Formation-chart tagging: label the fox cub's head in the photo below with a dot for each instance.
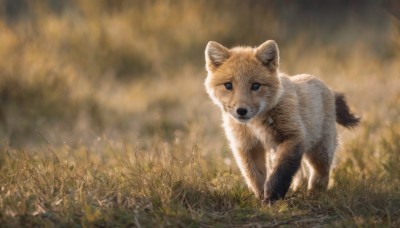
(243, 81)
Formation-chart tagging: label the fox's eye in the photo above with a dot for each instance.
(228, 86)
(255, 86)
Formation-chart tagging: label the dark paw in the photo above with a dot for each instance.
(269, 199)
(267, 202)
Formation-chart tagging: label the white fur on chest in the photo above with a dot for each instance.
(260, 132)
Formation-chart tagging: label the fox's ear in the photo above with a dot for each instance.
(216, 54)
(268, 54)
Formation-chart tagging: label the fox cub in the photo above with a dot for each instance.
(274, 122)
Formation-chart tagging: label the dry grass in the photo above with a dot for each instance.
(104, 120)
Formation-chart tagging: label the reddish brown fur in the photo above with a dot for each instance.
(285, 117)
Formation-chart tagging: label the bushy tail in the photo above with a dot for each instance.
(344, 116)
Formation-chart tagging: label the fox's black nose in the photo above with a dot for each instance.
(241, 111)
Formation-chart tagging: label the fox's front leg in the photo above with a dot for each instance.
(286, 163)
(251, 162)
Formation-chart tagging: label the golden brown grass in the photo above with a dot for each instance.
(104, 120)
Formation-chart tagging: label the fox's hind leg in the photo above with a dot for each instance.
(319, 160)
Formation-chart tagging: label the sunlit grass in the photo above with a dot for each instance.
(174, 184)
(104, 120)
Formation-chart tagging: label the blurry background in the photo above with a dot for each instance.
(80, 73)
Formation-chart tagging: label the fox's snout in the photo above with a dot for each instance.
(241, 111)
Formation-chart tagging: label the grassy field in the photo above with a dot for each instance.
(104, 120)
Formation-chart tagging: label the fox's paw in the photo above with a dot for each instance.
(269, 199)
